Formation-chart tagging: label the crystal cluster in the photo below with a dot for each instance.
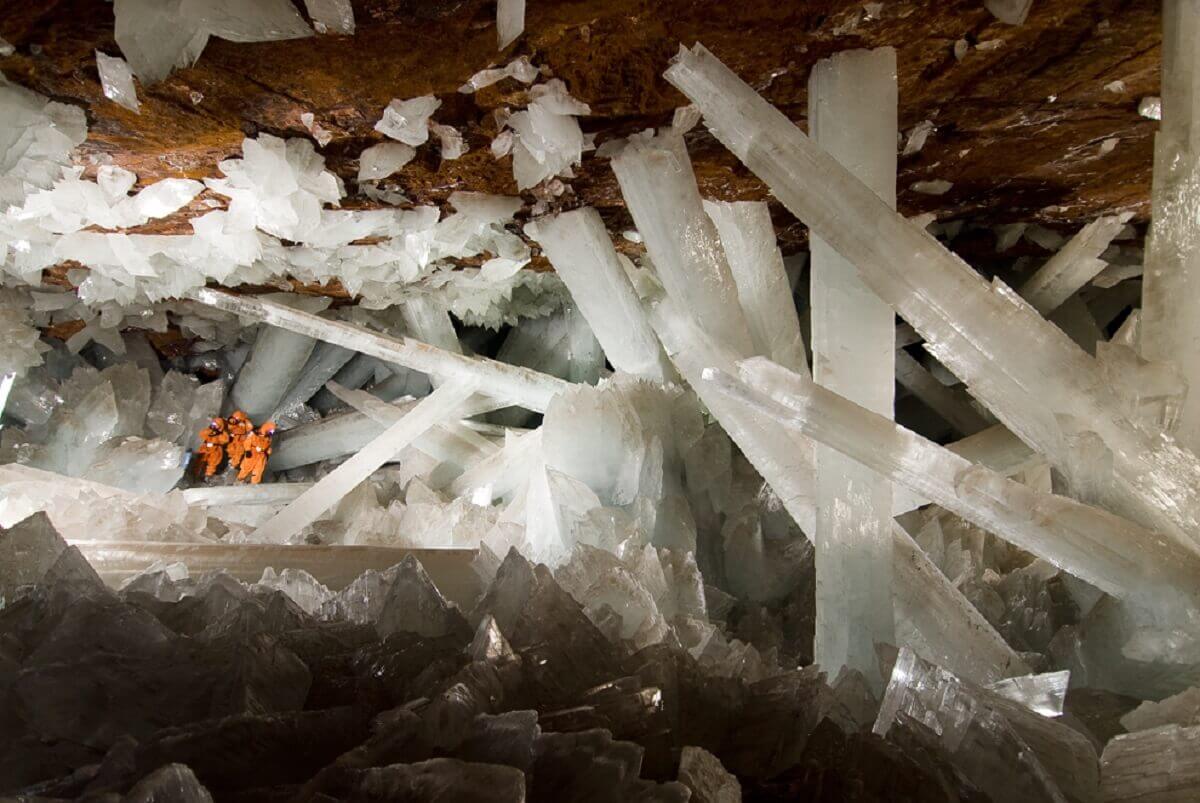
(683, 519)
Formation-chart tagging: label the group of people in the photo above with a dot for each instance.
(237, 441)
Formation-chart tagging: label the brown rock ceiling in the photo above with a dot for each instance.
(1019, 124)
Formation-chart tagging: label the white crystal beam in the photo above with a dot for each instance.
(933, 615)
(660, 189)
(1024, 369)
(520, 386)
(579, 247)
(852, 112)
(1170, 323)
(748, 237)
(441, 405)
(1075, 264)
(1115, 555)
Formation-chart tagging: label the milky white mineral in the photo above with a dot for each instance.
(748, 239)
(1111, 553)
(853, 114)
(1150, 108)
(547, 137)
(382, 160)
(1041, 385)
(659, 186)
(117, 81)
(156, 38)
(331, 16)
(511, 383)
(579, 246)
(408, 120)
(1157, 764)
(452, 143)
(917, 137)
(1169, 330)
(933, 187)
(1012, 12)
(441, 405)
(510, 21)
(519, 68)
(274, 364)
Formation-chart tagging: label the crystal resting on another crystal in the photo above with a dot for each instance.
(987, 736)
(325, 360)
(930, 611)
(1112, 554)
(748, 239)
(1042, 386)
(1076, 264)
(659, 187)
(519, 68)
(1161, 764)
(1170, 324)
(275, 363)
(408, 120)
(853, 113)
(513, 384)
(1043, 694)
(382, 160)
(510, 21)
(117, 81)
(583, 255)
(439, 406)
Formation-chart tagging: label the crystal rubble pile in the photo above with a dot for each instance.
(659, 587)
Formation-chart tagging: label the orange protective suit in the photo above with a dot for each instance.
(240, 430)
(213, 440)
(258, 450)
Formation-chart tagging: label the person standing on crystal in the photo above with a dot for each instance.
(213, 440)
(240, 430)
(258, 450)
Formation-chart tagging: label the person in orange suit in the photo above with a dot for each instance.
(258, 450)
(213, 440)
(240, 430)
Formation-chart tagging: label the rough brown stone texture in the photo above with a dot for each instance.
(1020, 125)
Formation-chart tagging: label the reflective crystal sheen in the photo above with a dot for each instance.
(117, 80)
(853, 113)
(582, 253)
(1170, 328)
(1037, 382)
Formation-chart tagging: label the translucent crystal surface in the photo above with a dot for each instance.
(517, 385)
(438, 406)
(1169, 330)
(658, 184)
(579, 246)
(748, 239)
(1107, 551)
(117, 80)
(510, 21)
(331, 16)
(852, 113)
(1040, 384)
(407, 121)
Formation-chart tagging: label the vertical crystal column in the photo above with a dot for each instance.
(1170, 322)
(852, 112)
